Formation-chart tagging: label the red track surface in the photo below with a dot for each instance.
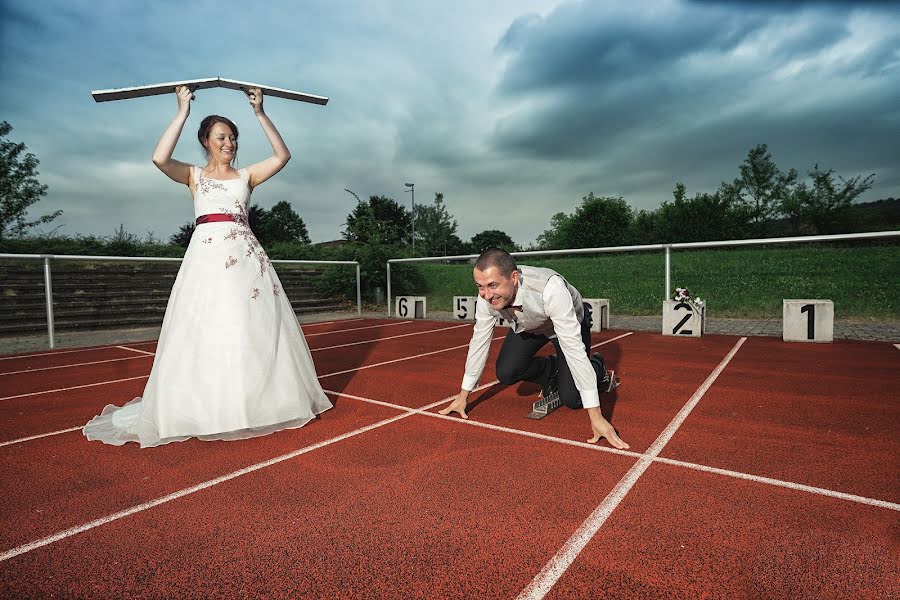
(779, 479)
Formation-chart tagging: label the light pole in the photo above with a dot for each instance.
(412, 190)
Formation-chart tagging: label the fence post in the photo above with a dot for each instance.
(48, 295)
(668, 272)
(358, 293)
(389, 287)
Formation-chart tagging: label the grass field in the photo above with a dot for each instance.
(863, 281)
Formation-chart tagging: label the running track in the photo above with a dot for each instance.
(757, 469)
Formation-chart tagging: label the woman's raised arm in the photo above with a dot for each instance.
(162, 156)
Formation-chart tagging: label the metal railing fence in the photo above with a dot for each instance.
(48, 287)
(666, 248)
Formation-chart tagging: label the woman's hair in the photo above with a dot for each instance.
(207, 124)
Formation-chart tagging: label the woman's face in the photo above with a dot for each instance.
(221, 143)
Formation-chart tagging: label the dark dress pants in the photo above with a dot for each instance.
(517, 362)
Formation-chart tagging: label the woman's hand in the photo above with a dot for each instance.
(185, 95)
(255, 96)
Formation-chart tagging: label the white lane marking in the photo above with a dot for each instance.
(58, 352)
(547, 577)
(618, 337)
(74, 387)
(610, 450)
(153, 354)
(19, 550)
(84, 364)
(800, 487)
(40, 435)
(393, 337)
(387, 362)
(309, 335)
(330, 322)
(136, 350)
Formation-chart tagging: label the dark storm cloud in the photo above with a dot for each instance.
(595, 84)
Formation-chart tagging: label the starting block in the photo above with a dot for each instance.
(464, 307)
(410, 307)
(807, 321)
(545, 406)
(599, 313)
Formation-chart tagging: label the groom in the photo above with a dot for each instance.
(541, 306)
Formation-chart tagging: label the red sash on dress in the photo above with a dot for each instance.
(214, 218)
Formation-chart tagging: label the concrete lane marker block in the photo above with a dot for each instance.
(410, 307)
(807, 321)
(599, 313)
(682, 318)
(464, 308)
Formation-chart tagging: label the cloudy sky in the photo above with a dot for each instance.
(513, 109)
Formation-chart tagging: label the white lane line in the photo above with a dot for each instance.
(136, 350)
(799, 487)
(531, 434)
(84, 364)
(95, 348)
(547, 577)
(309, 335)
(74, 387)
(393, 337)
(19, 550)
(58, 352)
(610, 450)
(330, 322)
(387, 362)
(618, 337)
(41, 435)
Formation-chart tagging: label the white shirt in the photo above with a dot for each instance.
(554, 309)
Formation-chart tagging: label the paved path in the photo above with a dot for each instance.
(846, 330)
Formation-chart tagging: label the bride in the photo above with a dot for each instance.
(231, 361)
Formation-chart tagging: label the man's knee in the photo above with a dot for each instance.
(507, 374)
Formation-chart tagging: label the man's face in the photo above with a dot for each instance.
(499, 291)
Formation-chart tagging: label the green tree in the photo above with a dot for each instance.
(492, 238)
(435, 228)
(19, 187)
(599, 222)
(282, 224)
(381, 220)
(556, 237)
(762, 187)
(825, 203)
(703, 218)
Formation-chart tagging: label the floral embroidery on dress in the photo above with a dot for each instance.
(239, 215)
(255, 294)
(208, 240)
(230, 262)
(276, 289)
(207, 185)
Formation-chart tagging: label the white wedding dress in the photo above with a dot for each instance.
(231, 361)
